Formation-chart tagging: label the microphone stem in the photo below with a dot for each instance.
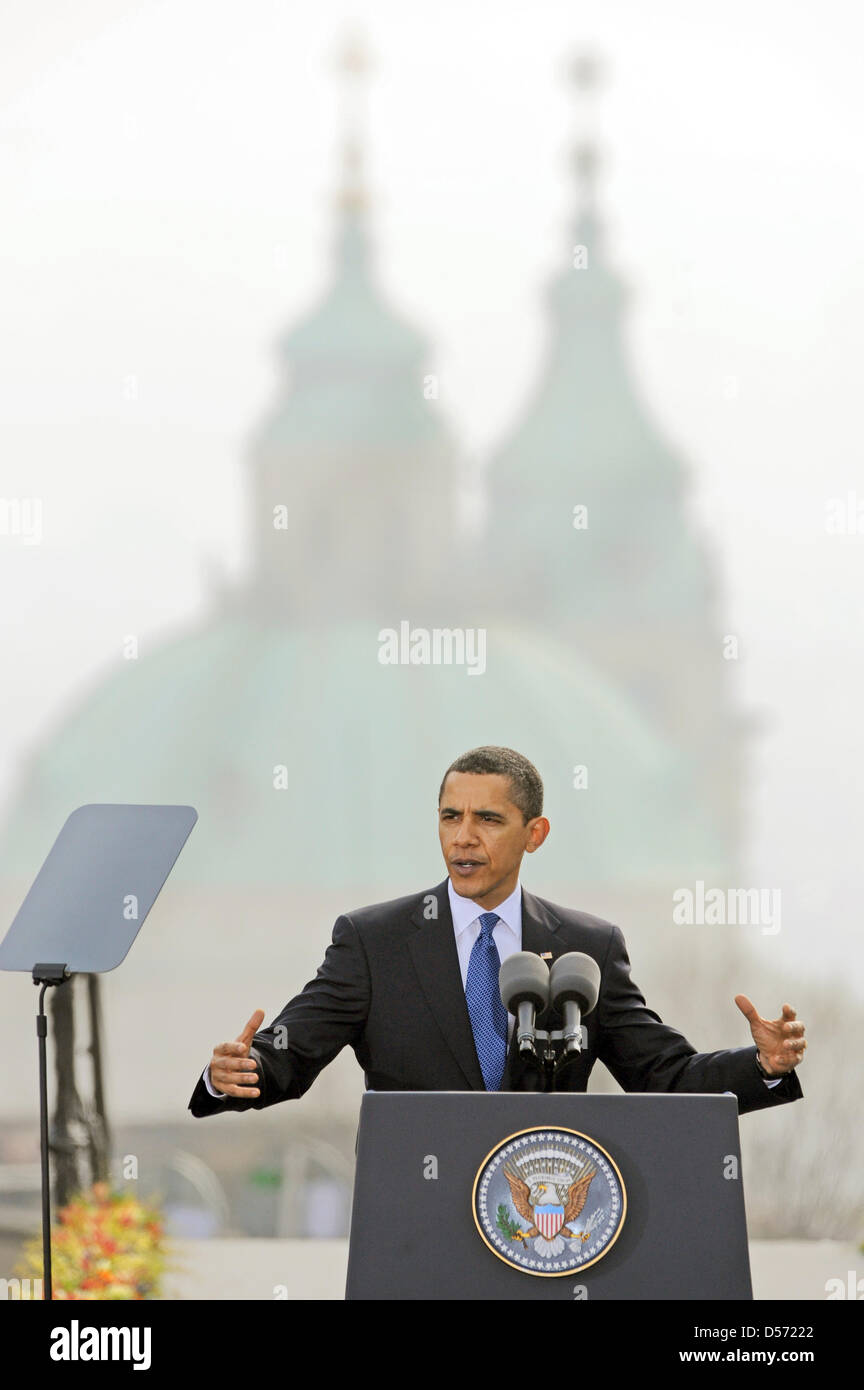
(572, 1027)
(525, 1013)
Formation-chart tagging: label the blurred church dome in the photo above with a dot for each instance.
(213, 716)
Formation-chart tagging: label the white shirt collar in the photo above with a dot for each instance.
(465, 911)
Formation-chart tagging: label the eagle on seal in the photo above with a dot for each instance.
(572, 1198)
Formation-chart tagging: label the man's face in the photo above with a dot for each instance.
(483, 836)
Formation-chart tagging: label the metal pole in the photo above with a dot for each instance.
(41, 1034)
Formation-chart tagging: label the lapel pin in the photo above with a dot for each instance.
(545, 955)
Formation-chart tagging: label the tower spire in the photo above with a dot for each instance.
(353, 63)
(586, 74)
(352, 427)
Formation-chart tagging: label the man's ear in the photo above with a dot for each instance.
(539, 829)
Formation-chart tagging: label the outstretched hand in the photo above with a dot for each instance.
(232, 1070)
(780, 1041)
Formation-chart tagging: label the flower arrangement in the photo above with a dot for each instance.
(105, 1245)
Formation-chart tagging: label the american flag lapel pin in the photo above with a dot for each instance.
(545, 955)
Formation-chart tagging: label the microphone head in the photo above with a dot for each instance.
(575, 977)
(524, 978)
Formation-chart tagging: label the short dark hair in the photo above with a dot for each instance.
(526, 786)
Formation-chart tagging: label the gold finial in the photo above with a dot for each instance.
(354, 63)
(354, 58)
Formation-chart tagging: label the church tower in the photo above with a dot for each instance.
(352, 469)
(591, 503)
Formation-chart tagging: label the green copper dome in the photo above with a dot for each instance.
(208, 717)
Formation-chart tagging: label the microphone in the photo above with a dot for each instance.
(524, 984)
(574, 984)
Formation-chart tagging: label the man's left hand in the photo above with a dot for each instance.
(780, 1041)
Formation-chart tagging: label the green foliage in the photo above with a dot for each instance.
(505, 1224)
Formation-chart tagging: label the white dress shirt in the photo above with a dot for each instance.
(506, 933)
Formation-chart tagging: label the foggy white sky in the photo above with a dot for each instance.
(167, 172)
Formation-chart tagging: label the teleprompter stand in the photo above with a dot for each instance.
(84, 910)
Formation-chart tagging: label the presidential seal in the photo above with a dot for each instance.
(549, 1201)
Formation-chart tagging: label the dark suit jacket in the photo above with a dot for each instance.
(390, 988)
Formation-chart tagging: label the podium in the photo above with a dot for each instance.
(508, 1196)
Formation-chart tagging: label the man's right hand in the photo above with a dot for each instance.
(232, 1070)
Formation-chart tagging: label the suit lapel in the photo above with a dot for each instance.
(539, 927)
(436, 960)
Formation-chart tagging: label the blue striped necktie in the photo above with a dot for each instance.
(487, 1013)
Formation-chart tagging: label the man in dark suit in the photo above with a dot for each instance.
(410, 984)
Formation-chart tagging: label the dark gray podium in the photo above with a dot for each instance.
(463, 1195)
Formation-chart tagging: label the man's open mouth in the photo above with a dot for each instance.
(466, 866)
